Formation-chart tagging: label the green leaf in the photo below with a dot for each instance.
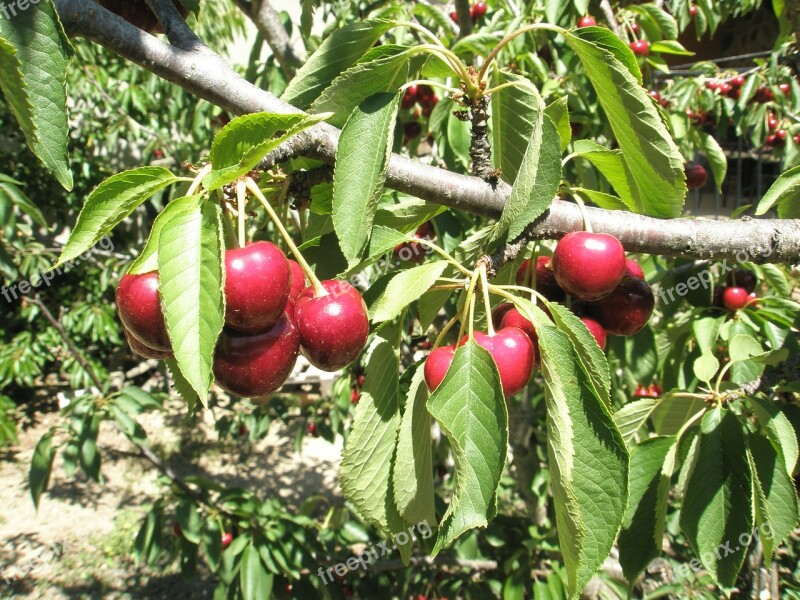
(537, 180)
(369, 449)
(212, 542)
(670, 47)
(340, 50)
(591, 357)
(718, 500)
(601, 199)
(515, 111)
(785, 190)
(362, 159)
(190, 265)
(256, 581)
(671, 414)
(630, 418)
(243, 142)
(653, 163)
(405, 288)
(412, 476)
(182, 386)
(776, 508)
(384, 73)
(470, 407)
(190, 521)
(34, 55)
(643, 529)
(9, 188)
(588, 461)
(558, 112)
(148, 258)
(665, 21)
(41, 466)
(743, 347)
(705, 367)
(611, 165)
(778, 429)
(110, 203)
(715, 154)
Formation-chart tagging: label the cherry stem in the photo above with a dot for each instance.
(447, 328)
(587, 225)
(241, 203)
(500, 290)
(429, 244)
(486, 302)
(724, 370)
(511, 36)
(201, 174)
(319, 290)
(533, 269)
(468, 304)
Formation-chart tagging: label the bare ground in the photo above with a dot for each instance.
(91, 527)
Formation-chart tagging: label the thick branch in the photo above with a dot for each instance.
(174, 25)
(211, 78)
(464, 18)
(289, 56)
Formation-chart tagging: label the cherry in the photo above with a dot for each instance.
(227, 538)
(655, 95)
(355, 396)
(652, 391)
(546, 283)
(635, 28)
(243, 431)
(411, 131)
(690, 113)
(696, 176)
(735, 93)
(139, 307)
(176, 530)
(640, 47)
(772, 123)
(633, 269)
(333, 328)
(410, 96)
(499, 311)
(734, 298)
(785, 88)
(588, 265)
(477, 10)
(427, 109)
(514, 318)
(781, 135)
(763, 95)
(743, 278)
(258, 280)
(724, 88)
(256, 365)
(298, 285)
(437, 364)
(409, 252)
(512, 352)
(627, 309)
(712, 84)
(360, 381)
(143, 349)
(587, 21)
(797, 139)
(312, 429)
(693, 10)
(158, 153)
(737, 81)
(597, 331)
(454, 17)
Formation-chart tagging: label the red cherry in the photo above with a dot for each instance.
(655, 95)
(588, 265)
(772, 123)
(635, 28)
(143, 350)
(512, 352)
(409, 252)
(139, 307)
(243, 430)
(785, 88)
(587, 21)
(426, 231)
(513, 318)
(655, 390)
(546, 283)
(477, 10)
(499, 312)
(640, 47)
(158, 153)
(298, 285)
(355, 396)
(696, 176)
(427, 110)
(258, 280)
(633, 269)
(312, 429)
(454, 17)
(333, 328)
(693, 10)
(176, 530)
(737, 81)
(437, 364)
(734, 298)
(256, 365)
(771, 140)
(640, 392)
(411, 131)
(596, 330)
(410, 96)
(227, 538)
(735, 93)
(627, 309)
(781, 135)
(797, 139)
(712, 84)
(724, 88)
(763, 95)
(360, 381)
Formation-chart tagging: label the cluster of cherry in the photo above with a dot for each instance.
(608, 292)
(270, 316)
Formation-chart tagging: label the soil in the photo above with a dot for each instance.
(78, 544)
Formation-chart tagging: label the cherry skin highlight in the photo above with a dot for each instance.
(258, 280)
(256, 365)
(139, 307)
(333, 328)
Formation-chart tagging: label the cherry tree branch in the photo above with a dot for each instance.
(289, 55)
(207, 75)
(464, 18)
